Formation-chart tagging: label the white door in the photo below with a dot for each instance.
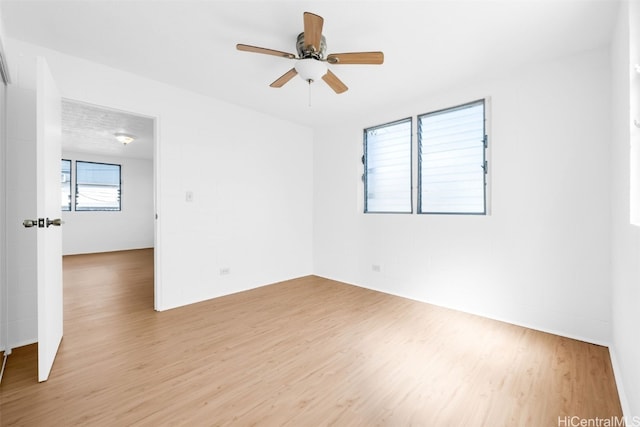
(49, 237)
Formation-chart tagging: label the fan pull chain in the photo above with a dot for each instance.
(310, 92)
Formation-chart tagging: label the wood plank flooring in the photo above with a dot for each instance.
(304, 352)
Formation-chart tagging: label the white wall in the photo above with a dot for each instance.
(21, 204)
(542, 258)
(130, 228)
(625, 53)
(252, 206)
(4, 289)
(4, 307)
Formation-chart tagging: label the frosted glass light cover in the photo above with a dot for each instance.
(311, 69)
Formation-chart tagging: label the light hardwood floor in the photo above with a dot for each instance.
(304, 352)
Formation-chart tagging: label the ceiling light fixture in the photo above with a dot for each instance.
(124, 138)
(311, 69)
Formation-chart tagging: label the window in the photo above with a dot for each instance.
(452, 163)
(65, 185)
(387, 165)
(97, 186)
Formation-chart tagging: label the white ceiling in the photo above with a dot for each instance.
(429, 46)
(91, 129)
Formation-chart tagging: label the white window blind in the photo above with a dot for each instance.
(452, 166)
(387, 159)
(97, 186)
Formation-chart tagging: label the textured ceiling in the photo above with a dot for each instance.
(92, 129)
(430, 46)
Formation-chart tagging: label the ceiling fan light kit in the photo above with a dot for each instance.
(311, 63)
(310, 69)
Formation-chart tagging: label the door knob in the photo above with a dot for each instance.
(28, 223)
(57, 222)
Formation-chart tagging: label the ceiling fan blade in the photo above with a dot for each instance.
(256, 49)
(334, 82)
(374, 58)
(284, 78)
(312, 30)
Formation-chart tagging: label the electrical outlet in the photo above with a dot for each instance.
(224, 271)
(376, 268)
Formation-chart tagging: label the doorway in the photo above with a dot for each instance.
(108, 180)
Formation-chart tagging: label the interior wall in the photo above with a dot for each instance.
(22, 292)
(105, 231)
(542, 257)
(250, 219)
(4, 307)
(625, 53)
(4, 289)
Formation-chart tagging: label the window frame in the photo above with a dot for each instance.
(365, 158)
(485, 162)
(77, 193)
(71, 198)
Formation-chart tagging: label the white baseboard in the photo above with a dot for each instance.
(552, 331)
(617, 374)
(19, 344)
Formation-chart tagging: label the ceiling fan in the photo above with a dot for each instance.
(311, 63)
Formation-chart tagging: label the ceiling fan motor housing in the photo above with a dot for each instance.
(309, 52)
